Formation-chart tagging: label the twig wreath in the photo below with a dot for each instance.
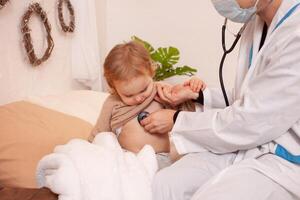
(71, 26)
(2, 3)
(36, 8)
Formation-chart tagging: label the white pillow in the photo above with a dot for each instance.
(84, 104)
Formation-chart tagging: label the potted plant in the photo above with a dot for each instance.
(166, 58)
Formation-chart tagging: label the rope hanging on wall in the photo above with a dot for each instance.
(71, 26)
(2, 3)
(36, 8)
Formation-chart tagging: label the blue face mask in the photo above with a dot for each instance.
(231, 10)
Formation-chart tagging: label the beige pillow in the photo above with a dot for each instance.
(84, 104)
(27, 133)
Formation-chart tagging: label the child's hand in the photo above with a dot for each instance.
(163, 92)
(168, 94)
(195, 84)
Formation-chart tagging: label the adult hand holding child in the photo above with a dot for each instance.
(177, 94)
(162, 121)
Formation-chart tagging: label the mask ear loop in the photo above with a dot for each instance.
(257, 11)
(250, 18)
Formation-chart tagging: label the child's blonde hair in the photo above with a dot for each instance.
(126, 61)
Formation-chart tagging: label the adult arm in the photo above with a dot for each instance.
(268, 107)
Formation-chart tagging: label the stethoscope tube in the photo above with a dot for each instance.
(238, 36)
(225, 53)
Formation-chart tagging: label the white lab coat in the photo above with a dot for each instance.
(264, 106)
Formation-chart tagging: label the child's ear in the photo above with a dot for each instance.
(154, 66)
(112, 90)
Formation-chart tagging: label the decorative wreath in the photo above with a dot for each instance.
(27, 37)
(71, 26)
(2, 3)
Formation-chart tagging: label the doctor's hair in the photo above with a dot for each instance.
(127, 61)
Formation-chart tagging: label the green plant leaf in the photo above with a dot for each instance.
(146, 44)
(163, 73)
(185, 70)
(166, 58)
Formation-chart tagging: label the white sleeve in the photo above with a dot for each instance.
(266, 110)
(213, 98)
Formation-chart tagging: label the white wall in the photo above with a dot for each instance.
(18, 78)
(192, 26)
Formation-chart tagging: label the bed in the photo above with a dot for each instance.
(31, 128)
(27, 194)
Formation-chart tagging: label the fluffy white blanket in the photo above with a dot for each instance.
(80, 170)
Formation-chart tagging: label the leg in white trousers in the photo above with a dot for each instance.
(213, 177)
(182, 179)
(243, 182)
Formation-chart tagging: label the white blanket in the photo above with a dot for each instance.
(80, 170)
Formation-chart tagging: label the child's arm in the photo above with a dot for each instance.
(103, 122)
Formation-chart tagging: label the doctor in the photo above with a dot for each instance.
(249, 150)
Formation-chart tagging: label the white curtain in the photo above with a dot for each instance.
(86, 65)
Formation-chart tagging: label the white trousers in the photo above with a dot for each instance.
(209, 176)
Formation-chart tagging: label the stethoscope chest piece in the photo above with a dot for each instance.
(142, 115)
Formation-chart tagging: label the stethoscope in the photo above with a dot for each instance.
(226, 52)
(238, 36)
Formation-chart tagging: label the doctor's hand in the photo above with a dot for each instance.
(159, 122)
